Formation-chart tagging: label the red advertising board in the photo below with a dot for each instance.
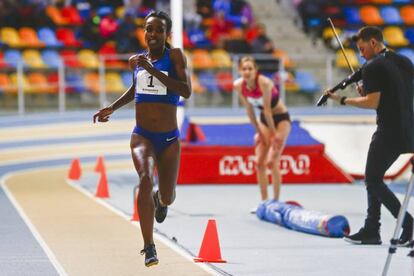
(236, 165)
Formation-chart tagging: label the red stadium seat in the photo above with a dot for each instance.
(67, 37)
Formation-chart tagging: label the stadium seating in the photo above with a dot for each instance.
(12, 57)
(370, 15)
(408, 53)
(28, 38)
(70, 58)
(38, 83)
(225, 81)
(91, 82)
(208, 80)
(67, 37)
(74, 83)
(33, 59)
(114, 83)
(352, 58)
(391, 15)
(71, 15)
(306, 82)
(352, 15)
(196, 85)
(394, 36)
(55, 15)
(409, 34)
(201, 59)
(407, 14)
(221, 58)
(48, 37)
(6, 85)
(3, 63)
(10, 36)
(88, 59)
(51, 58)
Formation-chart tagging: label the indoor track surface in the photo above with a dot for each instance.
(52, 226)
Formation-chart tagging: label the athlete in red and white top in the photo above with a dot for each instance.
(273, 127)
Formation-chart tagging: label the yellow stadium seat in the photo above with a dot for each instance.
(328, 33)
(11, 37)
(114, 83)
(352, 57)
(33, 59)
(120, 12)
(88, 59)
(26, 87)
(221, 58)
(394, 37)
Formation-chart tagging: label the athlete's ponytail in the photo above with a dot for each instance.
(168, 22)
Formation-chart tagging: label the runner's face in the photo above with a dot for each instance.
(155, 32)
(248, 70)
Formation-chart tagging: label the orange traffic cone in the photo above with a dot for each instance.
(135, 215)
(102, 189)
(75, 170)
(210, 247)
(100, 167)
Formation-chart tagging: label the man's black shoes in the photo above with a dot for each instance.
(160, 211)
(364, 237)
(406, 237)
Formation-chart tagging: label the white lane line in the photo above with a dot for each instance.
(31, 226)
(161, 238)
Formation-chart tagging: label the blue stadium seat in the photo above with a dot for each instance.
(126, 78)
(48, 36)
(402, 1)
(12, 57)
(352, 15)
(408, 53)
(390, 15)
(306, 82)
(209, 81)
(409, 34)
(51, 58)
(198, 38)
(74, 83)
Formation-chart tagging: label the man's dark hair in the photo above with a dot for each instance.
(368, 32)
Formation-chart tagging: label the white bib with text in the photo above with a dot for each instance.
(148, 84)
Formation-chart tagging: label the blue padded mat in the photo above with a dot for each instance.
(242, 135)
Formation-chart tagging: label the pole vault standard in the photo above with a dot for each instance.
(394, 241)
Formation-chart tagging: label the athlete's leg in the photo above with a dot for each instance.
(143, 157)
(168, 162)
(282, 130)
(261, 151)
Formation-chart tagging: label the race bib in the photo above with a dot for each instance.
(148, 84)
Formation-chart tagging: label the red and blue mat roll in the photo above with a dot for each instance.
(295, 217)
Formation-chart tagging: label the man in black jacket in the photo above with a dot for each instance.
(387, 87)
